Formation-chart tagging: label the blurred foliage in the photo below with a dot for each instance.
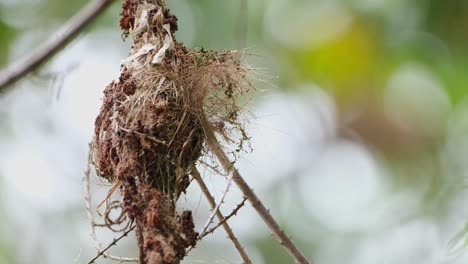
(342, 62)
(7, 36)
(57, 10)
(7, 248)
(448, 20)
(354, 64)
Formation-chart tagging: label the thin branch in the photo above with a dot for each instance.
(113, 243)
(226, 218)
(93, 224)
(245, 258)
(55, 43)
(218, 205)
(218, 151)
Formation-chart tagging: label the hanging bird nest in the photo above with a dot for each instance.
(150, 129)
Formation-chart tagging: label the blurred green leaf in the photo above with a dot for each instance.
(449, 20)
(7, 36)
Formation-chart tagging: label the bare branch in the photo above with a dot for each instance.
(216, 208)
(55, 43)
(113, 243)
(218, 151)
(226, 218)
(245, 258)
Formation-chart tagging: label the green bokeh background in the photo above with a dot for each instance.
(354, 65)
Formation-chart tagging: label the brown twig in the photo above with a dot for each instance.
(264, 213)
(113, 243)
(55, 43)
(245, 258)
(215, 210)
(226, 218)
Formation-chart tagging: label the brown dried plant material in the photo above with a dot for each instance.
(151, 127)
(127, 16)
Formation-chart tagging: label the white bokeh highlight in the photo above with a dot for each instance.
(415, 100)
(342, 182)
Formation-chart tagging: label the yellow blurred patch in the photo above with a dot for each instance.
(344, 61)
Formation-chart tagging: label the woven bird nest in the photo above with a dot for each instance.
(151, 127)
